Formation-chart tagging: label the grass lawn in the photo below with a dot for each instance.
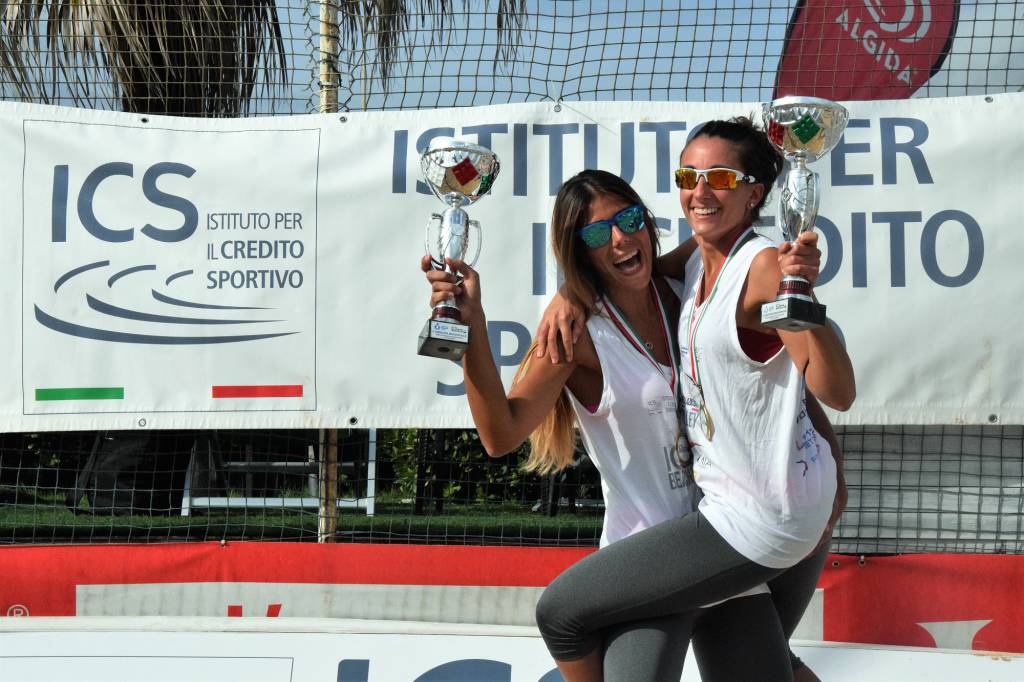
(39, 520)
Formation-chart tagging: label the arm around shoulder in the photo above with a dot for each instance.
(673, 263)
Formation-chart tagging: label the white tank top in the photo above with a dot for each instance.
(632, 436)
(768, 477)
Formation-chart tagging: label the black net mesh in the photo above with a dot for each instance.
(912, 489)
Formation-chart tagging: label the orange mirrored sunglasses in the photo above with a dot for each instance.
(716, 178)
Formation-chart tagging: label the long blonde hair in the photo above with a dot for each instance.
(553, 442)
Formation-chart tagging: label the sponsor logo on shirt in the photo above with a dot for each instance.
(679, 472)
(664, 404)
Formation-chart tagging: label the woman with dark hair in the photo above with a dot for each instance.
(767, 474)
(621, 389)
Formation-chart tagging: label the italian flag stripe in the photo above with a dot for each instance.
(81, 393)
(259, 391)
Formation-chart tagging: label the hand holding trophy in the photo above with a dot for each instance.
(803, 129)
(459, 174)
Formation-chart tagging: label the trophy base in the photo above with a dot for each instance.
(440, 339)
(792, 314)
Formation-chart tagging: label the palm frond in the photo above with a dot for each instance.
(196, 58)
(384, 28)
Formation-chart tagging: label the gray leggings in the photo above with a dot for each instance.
(792, 592)
(738, 640)
(640, 599)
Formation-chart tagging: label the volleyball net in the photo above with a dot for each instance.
(912, 489)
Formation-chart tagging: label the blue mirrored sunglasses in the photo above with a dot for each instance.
(629, 220)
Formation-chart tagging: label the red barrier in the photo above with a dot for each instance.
(964, 601)
(950, 601)
(42, 579)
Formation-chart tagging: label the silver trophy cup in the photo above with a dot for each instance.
(803, 129)
(459, 174)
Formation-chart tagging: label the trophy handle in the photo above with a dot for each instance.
(434, 218)
(475, 227)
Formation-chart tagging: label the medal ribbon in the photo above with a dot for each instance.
(626, 329)
(694, 324)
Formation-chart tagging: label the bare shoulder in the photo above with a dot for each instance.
(767, 257)
(761, 286)
(542, 369)
(764, 277)
(586, 380)
(586, 352)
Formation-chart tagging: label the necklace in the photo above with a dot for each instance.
(693, 323)
(646, 347)
(633, 335)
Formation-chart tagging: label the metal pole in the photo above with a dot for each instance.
(371, 471)
(328, 55)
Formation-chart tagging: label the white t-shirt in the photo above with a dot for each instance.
(768, 477)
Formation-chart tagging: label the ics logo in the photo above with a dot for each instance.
(87, 194)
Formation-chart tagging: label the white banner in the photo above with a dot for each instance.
(257, 273)
(91, 649)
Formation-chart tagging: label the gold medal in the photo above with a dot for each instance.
(709, 424)
(705, 416)
(695, 318)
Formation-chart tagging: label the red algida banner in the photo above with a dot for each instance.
(865, 49)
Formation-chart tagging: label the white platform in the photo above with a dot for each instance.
(331, 650)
